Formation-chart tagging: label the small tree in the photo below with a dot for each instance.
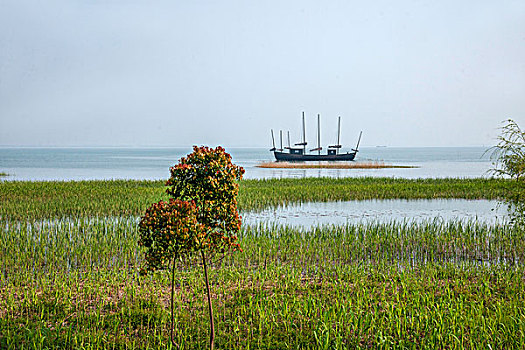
(201, 216)
(169, 230)
(509, 154)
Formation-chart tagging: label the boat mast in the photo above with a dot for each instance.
(338, 134)
(318, 134)
(289, 139)
(304, 143)
(358, 140)
(319, 148)
(273, 142)
(281, 137)
(304, 136)
(337, 146)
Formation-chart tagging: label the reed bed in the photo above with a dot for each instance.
(331, 165)
(69, 260)
(26, 200)
(38, 200)
(260, 194)
(73, 283)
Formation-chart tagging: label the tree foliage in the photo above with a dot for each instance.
(201, 215)
(509, 154)
(208, 178)
(169, 230)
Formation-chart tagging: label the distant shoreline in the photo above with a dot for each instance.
(326, 165)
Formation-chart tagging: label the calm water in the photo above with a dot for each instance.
(154, 163)
(383, 211)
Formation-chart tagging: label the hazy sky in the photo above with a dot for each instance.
(178, 73)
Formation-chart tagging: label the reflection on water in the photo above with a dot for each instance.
(354, 212)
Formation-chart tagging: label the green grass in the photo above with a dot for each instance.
(69, 273)
(36, 200)
(258, 194)
(75, 284)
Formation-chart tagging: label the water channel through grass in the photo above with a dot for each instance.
(355, 212)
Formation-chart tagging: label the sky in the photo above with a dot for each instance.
(178, 73)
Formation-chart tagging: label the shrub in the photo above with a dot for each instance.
(509, 154)
(509, 160)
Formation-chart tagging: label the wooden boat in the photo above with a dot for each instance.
(298, 153)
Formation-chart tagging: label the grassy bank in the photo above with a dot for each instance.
(34, 200)
(74, 284)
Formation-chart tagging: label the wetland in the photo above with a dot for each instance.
(69, 268)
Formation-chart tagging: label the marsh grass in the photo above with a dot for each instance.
(261, 194)
(36, 200)
(331, 165)
(69, 278)
(74, 284)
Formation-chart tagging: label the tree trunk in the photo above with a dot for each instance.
(210, 308)
(172, 294)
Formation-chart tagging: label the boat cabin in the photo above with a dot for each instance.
(296, 151)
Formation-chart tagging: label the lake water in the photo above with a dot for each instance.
(382, 211)
(153, 163)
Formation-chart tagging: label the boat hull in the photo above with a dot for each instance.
(287, 157)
